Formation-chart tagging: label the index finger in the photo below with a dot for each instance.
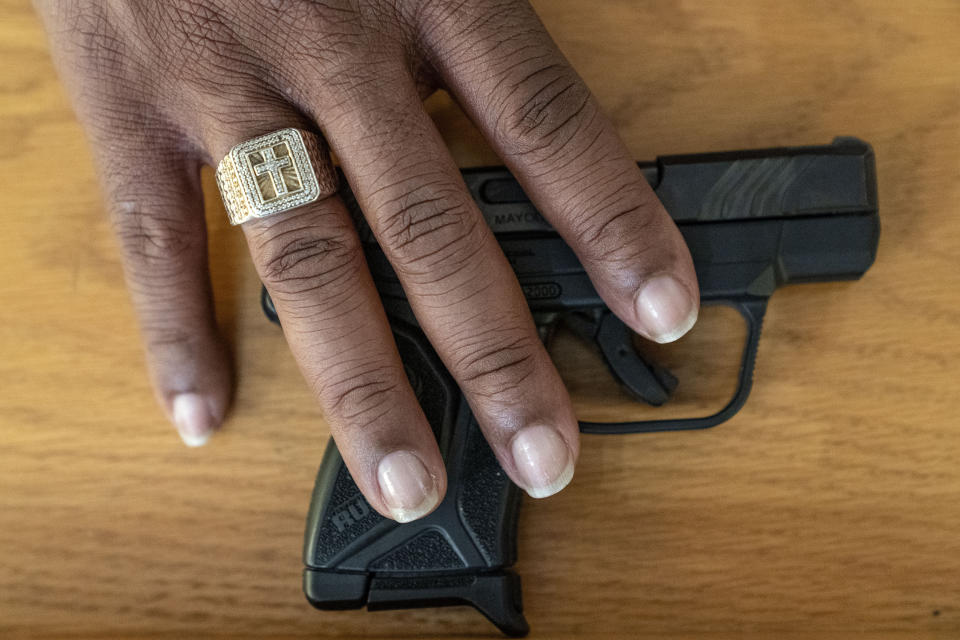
(542, 119)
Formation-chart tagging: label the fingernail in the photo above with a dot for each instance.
(192, 417)
(543, 460)
(406, 486)
(666, 309)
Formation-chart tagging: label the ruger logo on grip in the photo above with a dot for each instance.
(354, 511)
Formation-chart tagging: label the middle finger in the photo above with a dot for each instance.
(459, 283)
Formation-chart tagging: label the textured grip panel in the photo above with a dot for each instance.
(429, 551)
(488, 501)
(340, 517)
(345, 517)
(459, 554)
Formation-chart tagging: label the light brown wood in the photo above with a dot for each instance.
(830, 506)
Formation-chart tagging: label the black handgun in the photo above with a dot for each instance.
(753, 220)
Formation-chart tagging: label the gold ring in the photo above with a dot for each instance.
(274, 173)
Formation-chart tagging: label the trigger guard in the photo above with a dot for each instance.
(752, 310)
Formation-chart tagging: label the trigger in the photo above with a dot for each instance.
(647, 382)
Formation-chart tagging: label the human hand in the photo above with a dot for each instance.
(164, 87)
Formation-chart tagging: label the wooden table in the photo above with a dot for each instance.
(830, 506)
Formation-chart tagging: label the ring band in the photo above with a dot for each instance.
(273, 173)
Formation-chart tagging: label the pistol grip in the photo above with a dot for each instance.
(459, 554)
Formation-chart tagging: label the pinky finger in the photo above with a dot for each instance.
(156, 207)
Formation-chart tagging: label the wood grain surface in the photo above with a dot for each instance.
(828, 508)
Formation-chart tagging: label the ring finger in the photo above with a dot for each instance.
(310, 261)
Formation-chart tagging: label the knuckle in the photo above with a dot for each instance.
(544, 111)
(430, 228)
(607, 239)
(362, 394)
(496, 363)
(155, 244)
(621, 216)
(298, 256)
(623, 241)
(170, 345)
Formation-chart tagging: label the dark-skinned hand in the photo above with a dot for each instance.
(163, 88)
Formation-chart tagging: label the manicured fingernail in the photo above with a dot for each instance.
(543, 460)
(406, 486)
(666, 309)
(192, 417)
